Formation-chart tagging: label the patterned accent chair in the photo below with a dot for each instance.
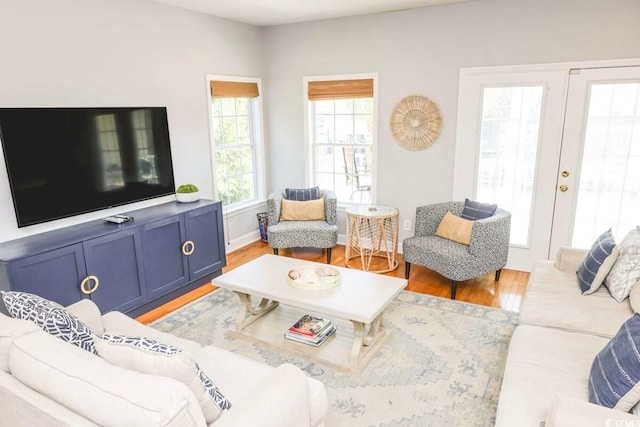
(303, 234)
(486, 253)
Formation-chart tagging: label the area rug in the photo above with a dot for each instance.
(441, 366)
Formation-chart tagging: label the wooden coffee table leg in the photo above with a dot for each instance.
(250, 313)
(365, 337)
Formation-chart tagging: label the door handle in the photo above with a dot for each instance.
(85, 281)
(563, 188)
(188, 247)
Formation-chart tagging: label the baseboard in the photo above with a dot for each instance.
(241, 241)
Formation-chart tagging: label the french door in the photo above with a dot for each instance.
(599, 174)
(559, 148)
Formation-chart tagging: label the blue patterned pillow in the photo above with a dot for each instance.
(476, 210)
(597, 264)
(149, 356)
(302, 194)
(51, 317)
(614, 380)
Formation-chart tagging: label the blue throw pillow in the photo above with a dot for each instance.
(302, 194)
(614, 380)
(597, 264)
(477, 210)
(51, 317)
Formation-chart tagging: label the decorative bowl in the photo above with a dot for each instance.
(188, 197)
(313, 278)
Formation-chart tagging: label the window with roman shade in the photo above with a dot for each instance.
(341, 129)
(236, 122)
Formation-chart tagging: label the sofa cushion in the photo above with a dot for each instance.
(625, 273)
(614, 380)
(312, 210)
(477, 210)
(117, 323)
(104, 393)
(152, 357)
(597, 264)
(10, 329)
(541, 363)
(454, 228)
(88, 313)
(51, 317)
(302, 194)
(554, 299)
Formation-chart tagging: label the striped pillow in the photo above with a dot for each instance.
(302, 194)
(614, 380)
(477, 210)
(597, 264)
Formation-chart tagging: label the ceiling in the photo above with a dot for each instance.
(275, 12)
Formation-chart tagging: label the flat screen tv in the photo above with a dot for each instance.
(68, 161)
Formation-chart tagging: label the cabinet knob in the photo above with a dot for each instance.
(86, 281)
(188, 247)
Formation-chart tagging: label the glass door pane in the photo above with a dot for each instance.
(609, 183)
(509, 137)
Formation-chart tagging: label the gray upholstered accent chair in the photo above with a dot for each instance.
(486, 253)
(303, 234)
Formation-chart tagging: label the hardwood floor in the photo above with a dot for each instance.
(506, 293)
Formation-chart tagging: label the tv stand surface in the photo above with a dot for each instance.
(133, 267)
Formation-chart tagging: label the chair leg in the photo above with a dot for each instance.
(407, 269)
(498, 274)
(275, 251)
(454, 287)
(328, 255)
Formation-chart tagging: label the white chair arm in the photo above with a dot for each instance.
(569, 259)
(280, 400)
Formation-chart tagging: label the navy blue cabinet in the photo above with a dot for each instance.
(55, 274)
(133, 267)
(116, 269)
(181, 248)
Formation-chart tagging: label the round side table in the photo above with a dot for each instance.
(372, 231)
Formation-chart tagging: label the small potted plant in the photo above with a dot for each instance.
(187, 193)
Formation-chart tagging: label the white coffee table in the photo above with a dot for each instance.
(356, 306)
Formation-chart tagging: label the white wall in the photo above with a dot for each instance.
(120, 53)
(135, 52)
(421, 51)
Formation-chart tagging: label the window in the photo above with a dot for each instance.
(511, 119)
(236, 138)
(342, 137)
(112, 177)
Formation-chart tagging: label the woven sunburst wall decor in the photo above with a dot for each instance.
(416, 122)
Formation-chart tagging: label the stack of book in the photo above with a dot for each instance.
(311, 330)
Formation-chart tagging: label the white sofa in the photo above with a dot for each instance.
(46, 381)
(559, 334)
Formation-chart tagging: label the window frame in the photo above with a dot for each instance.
(257, 137)
(310, 163)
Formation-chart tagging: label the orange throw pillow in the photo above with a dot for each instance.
(311, 210)
(454, 228)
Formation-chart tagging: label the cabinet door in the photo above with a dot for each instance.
(112, 259)
(165, 267)
(54, 275)
(204, 228)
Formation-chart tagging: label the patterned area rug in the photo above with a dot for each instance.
(442, 365)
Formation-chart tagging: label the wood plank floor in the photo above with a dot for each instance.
(506, 293)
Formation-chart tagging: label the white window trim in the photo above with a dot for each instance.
(258, 132)
(308, 160)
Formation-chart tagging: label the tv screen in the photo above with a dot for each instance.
(68, 161)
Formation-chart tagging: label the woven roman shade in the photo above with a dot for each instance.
(340, 89)
(222, 89)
